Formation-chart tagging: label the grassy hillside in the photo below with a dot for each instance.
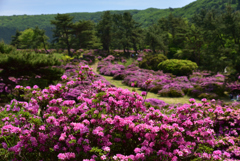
(9, 24)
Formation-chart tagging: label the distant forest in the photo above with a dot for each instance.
(146, 18)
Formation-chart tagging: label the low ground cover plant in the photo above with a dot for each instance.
(108, 123)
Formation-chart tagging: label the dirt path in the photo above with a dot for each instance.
(94, 66)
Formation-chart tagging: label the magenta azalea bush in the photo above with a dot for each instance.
(198, 85)
(108, 123)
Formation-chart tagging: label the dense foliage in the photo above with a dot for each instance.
(9, 24)
(178, 67)
(100, 122)
(210, 38)
(26, 68)
(151, 61)
(69, 35)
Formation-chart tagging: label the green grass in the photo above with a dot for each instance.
(169, 100)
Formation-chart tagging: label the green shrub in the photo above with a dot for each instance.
(119, 76)
(6, 49)
(208, 96)
(156, 88)
(172, 92)
(151, 61)
(29, 66)
(178, 67)
(194, 92)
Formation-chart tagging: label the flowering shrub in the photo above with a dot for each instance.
(233, 87)
(197, 84)
(106, 68)
(90, 57)
(156, 102)
(109, 58)
(108, 123)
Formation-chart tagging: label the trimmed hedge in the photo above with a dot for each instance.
(177, 67)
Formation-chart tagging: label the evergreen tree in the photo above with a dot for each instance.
(238, 4)
(84, 35)
(69, 35)
(193, 44)
(104, 30)
(63, 32)
(154, 38)
(40, 38)
(126, 32)
(118, 33)
(174, 27)
(15, 41)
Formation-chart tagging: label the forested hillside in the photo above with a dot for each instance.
(9, 24)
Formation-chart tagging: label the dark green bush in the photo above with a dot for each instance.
(156, 88)
(151, 61)
(194, 92)
(178, 67)
(119, 76)
(29, 66)
(6, 49)
(208, 96)
(172, 92)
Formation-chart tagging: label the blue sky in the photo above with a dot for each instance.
(36, 7)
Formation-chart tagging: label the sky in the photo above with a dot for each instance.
(37, 7)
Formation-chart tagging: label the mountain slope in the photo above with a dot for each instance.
(9, 24)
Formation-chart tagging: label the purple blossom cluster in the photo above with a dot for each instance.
(107, 68)
(156, 102)
(108, 123)
(233, 87)
(109, 58)
(199, 84)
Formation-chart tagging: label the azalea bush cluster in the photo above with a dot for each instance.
(107, 68)
(78, 86)
(108, 123)
(234, 87)
(198, 85)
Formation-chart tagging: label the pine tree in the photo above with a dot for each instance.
(63, 32)
(15, 41)
(238, 4)
(40, 38)
(104, 30)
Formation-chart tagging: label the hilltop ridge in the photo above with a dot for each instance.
(9, 24)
